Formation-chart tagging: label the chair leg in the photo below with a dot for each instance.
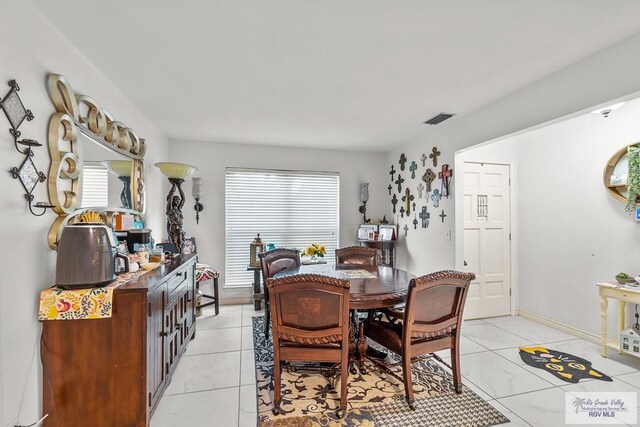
(455, 367)
(267, 320)
(276, 386)
(344, 385)
(215, 294)
(408, 384)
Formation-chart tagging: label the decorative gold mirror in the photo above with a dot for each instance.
(87, 144)
(616, 174)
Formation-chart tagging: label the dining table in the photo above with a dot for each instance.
(371, 288)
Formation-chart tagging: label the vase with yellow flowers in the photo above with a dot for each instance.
(315, 251)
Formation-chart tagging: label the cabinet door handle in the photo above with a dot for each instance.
(179, 274)
(164, 334)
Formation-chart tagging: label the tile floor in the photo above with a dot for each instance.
(214, 384)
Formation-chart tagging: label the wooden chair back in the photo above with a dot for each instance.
(277, 260)
(357, 255)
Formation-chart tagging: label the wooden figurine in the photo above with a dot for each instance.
(399, 181)
(392, 172)
(445, 175)
(412, 169)
(434, 155)
(420, 190)
(406, 229)
(428, 178)
(435, 198)
(424, 159)
(403, 160)
(394, 202)
(407, 199)
(424, 216)
(442, 215)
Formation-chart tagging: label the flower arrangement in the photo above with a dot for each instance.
(315, 250)
(633, 182)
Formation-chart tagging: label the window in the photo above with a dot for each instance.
(95, 185)
(288, 209)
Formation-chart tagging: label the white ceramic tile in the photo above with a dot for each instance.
(514, 420)
(603, 386)
(500, 319)
(248, 313)
(492, 337)
(467, 346)
(477, 390)
(206, 372)
(533, 331)
(497, 376)
(633, 378)
(513, 355)
(247, 337)
(545, 408)
(247, 368)
(215, 341)
(248, 406)
(200, 409)
(614, 365)
(226, 319)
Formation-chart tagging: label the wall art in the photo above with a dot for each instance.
(445, 175)
(392, 172)
(403, 160)
(435, 198)
(394, 202)
(424, 216)
(415, 222)
(428, 178)
(420, 190)
(399, 181)
(412, 169)
(424, 159)
(407, 199)
(443, 216)
(434, 156)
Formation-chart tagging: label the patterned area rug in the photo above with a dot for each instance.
(375, 399)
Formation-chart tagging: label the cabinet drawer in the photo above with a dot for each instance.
(175, 282)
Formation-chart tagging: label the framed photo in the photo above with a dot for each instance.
(387, 232)
(365, 229)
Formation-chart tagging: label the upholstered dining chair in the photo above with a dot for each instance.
(357, 255)
(430, 322)
(273, 262)
(310, 322)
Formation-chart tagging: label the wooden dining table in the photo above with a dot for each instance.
(371, 288)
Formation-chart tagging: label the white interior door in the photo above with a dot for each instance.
(487, 228)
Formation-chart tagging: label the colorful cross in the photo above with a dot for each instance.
(389, 188)
(403, 160)
(407, 199)
(415, 222)
(435, 197)
(442, 215)
(420, 190)
(445, 175)
(394, 202)
(424, 159)
(424, 216)
(434, 155)
(413, 168)
(392, 172)
(399, 181)
(428, 178)
(406, 229)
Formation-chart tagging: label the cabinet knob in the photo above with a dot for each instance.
(164, 334)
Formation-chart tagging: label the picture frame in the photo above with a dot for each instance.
(365, 229)
(387, 232)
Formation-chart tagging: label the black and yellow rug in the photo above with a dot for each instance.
(375, 399)
(565, 366)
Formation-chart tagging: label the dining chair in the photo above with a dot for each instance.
(357, 255)
(430, 322)
(310, 323)
(271, 263)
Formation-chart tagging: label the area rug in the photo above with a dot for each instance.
(375, 399)
(565, 366)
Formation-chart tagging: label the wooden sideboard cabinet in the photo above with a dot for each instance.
(112, 372)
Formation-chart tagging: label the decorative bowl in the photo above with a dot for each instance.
(150, 265)
(118, 167)
(176, 170)
(623, 281)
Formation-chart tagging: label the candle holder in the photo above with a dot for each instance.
(197, 194)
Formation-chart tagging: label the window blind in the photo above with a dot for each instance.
(95, 185)
(288, 209)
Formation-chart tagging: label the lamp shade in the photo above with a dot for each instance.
(197, 188)
(364, 192)
(119, 168)
(176, 170)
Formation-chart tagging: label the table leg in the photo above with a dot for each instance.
(603, 324)
(621, 319)
(257, 302)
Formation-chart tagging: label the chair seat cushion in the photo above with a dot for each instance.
(206, 272)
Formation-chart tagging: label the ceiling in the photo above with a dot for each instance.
(352, 75)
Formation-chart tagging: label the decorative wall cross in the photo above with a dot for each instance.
(389, 188)
(435, 197)
(415, 222)
(406, 228)
(424, 159)
(399, 181)
(392, 172)
(402, 211)
(407, 199)
(434, 155)
(394, 202)
(413, 205)
(428, 178)
(445, 175)
(403, 160)
(424, 216)
(420, 189)
(442, 215)
(413, 168)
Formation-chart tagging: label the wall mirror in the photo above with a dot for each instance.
(616, 173)
(96, 161)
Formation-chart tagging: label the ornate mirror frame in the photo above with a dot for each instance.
(80, 113)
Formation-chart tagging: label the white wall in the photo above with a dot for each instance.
(29, 48)
(212, 159)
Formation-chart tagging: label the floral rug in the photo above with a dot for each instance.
(375, 399)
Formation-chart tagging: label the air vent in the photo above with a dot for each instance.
(438, 119)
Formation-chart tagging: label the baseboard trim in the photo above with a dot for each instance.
(558, 325)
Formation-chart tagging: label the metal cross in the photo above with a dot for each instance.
(407, 199)
(394, 202)
(435, 197)
(445, 176)
(424, 159)
(406, 228)
(424, 216)
(428, 178)
(392, 172)
(415, 222)
(389, 188)
(434, 155)
(403, 160)
(399, 181)
(402, 211)
(413, 205)
(413, 168)
(420, 189)
(442, 215)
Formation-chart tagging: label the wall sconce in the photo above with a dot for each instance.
(27, 172)
(176, 172)
(197, 194)
(364, 198)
